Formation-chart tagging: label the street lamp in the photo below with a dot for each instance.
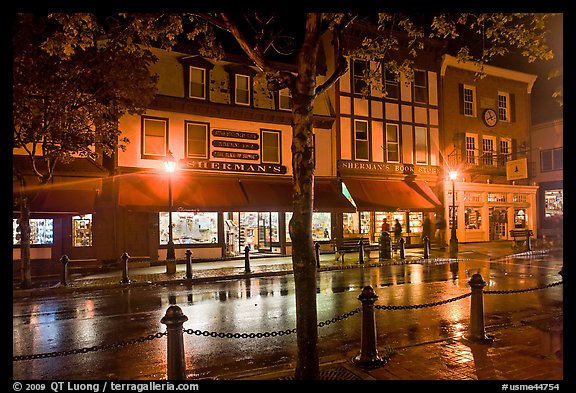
(453, 238)
(170, 165)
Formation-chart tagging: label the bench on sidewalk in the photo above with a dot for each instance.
(520, 236)
(351, 244)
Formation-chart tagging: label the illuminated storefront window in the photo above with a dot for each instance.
(553, 203)
(321, 226)
(190, 227)
(520, 218)
(472, 218)
(82, 231)
(356, 223)
(41, 231)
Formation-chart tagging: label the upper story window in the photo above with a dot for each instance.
(392, 143)
(468, 100)
(196, 140)
(471, 148)
(241, 82)
(505, 150)
(552, 159)
(358, 70)
(284, 99)
(488, 150)
(242, 90)
(420, 87)
(197, 87)
(421, 145)
(154, 137)
(503, 106)
(196, 77)
(271, 147)
(361, 139)
(391, 85)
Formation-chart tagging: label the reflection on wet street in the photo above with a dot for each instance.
(266, 304)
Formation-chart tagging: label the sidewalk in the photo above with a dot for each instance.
(204, 271)
(529, 350)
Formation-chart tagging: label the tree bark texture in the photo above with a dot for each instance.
(24, 223)
(303, 256)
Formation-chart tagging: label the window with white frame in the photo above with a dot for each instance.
(488, 153)
(420, 87)
(242, 89)
(421, 144)
(505, 150)
(471, 148)
(361, 139)
(285, 99)
(271, 146)
(197, 87)
(154, 137)
(196, 140)
(469, 99)
(503, 106)
(392, 143)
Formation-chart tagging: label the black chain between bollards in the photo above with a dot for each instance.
(94, 348)
(415, 306)
(508, 291)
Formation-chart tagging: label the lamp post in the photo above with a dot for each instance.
(453, 238)
(170, 165)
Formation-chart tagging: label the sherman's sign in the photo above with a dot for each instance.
(379, 168)
(223, 166)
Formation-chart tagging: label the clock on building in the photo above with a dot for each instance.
(490, 117)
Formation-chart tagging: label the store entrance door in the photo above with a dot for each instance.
(498, 223)
(264, 231)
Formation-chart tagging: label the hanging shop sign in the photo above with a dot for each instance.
(223, 166)
(380, 168)
(517, 169)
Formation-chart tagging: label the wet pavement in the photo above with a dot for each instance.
(531, 349)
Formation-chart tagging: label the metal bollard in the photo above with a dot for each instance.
(125, 280)
(188, 264)
(317, 249)
(174, 319)
(402, 249)
(528, 242)
(426, 247)
(368, 356)
(64, 260)
(476, 330)
(361, 251)
(247, 258)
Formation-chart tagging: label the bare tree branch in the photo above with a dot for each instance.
(341, 62)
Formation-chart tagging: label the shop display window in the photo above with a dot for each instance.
(41, 231)
(82, 230)
(321, 226)
(553, 203)
(190, 227)
(472, 218)
(520, 218)
(416, 221)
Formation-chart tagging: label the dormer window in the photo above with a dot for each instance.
(242, 90)
(196, 77)
(241, 82)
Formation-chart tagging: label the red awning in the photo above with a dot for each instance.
(384, 195)
(424, 189)
(276, 195)
(148, 191)
(63, 201)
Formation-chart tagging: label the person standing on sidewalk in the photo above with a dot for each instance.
(440, 234)
(397, 233)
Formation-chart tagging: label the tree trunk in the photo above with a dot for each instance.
(24, 223)
(303, 256)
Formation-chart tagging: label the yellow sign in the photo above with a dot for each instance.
(517, 169)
